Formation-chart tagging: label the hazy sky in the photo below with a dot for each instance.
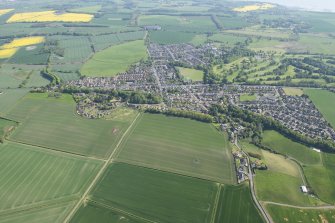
(315, 5)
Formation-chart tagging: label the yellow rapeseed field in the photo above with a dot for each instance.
(4, 11)
(255, 7)
(49, 16)
(9, 49)
(7, 53)
(26, 41)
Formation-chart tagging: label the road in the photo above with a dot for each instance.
(265, 214)
(100, 173)
(301, 207)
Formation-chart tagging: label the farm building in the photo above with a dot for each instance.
(304, 189)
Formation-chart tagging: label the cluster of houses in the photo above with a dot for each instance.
(294, 112)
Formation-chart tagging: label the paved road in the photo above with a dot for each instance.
(265, 214)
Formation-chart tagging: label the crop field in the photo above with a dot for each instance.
(316, 44)
(236, 205)
(235, 22)
(248, 8)
(49, 16)
(191, 74)
(91, 212)
(157, 196)
(12, 75)
(196, 24)
(30, 55)
(9, 98)
(54, 213)
(5, 11)
(286, 146)
(65, 130)
(115, 59)
(181, 146)
(7, 53)
(87, 9)
(170, 37)
(32, 177)
(285, 214)
(324, 101)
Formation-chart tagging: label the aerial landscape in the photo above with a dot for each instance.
(166, 111)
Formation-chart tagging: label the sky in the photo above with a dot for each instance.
(314, 5)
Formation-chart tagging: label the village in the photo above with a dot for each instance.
(159, 76)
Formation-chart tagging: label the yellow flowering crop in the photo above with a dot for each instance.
(255, 7)
(4, 11)
(49, 16)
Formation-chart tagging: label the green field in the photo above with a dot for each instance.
(236, 206)
(324, 101)
(285, 214)
(33, 177)
(191, 74)
(6, 126)
(154, 195)
(115, 59)
(9, 98)
(170, 37)
(194, 24)
(55, 125)
(248, 97)
(51, 213)
(293, 91)
(181, 146)
(286, 146)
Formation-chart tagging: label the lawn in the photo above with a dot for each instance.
(325, 101)
(115, 59)
(56, 126)
(34, 177)
(155, 195)
(248, 97)
(179, 145)
(285, 214)
(283, 145)
(236, 206)
(191, 74)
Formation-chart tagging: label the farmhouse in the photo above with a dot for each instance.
(152, 28)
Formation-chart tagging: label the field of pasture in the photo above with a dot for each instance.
(286, 214)
(324, 101)
(317, 167)
(181, 146)
(34, 177)
(115, 59)
(147, 194)
(56, 126)
(9, 98)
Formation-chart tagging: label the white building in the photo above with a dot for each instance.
(304, 189)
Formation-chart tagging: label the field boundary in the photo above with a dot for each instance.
(300, 207)
(100, 173)
(216, 203)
